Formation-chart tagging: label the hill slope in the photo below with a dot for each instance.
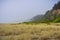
(37, 18)
(50, 15)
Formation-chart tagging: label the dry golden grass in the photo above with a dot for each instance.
(30, 32)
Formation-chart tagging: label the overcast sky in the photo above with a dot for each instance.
(20, 10)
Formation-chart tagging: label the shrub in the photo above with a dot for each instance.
(45, 21)
(57, 20)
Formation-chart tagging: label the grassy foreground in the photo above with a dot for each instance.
(30, 31)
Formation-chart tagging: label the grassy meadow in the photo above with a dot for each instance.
(40, 31)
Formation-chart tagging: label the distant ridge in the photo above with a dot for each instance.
(37, 18)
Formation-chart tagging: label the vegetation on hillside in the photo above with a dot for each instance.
(50, 15)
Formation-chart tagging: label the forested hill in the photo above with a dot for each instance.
(51, 15)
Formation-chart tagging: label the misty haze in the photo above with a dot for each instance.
(29, 19)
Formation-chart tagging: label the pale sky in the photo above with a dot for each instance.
(20, 10)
